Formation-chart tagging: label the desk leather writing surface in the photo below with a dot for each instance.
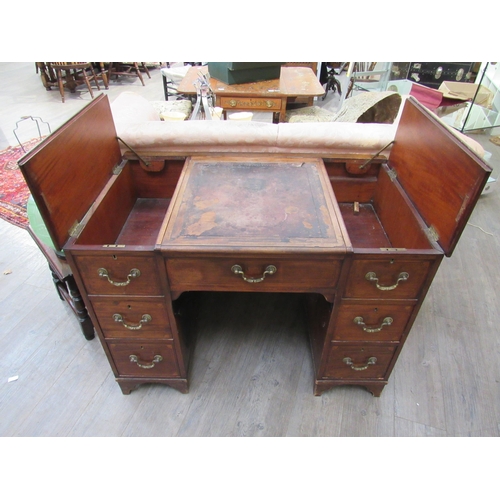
(283, 203)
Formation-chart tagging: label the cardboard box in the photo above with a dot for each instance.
(466, 92)
(244, 72)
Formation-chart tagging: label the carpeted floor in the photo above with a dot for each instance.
(14, 192)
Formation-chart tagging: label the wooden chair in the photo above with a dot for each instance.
(368, 76)
(127, 69)
(72, 74)
(62, 276)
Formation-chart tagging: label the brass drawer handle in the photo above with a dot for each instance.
(238, 270)
(371, 276)
(145, 319)
(134, 359)
(269, 104)
(359, 368)
(232, 103)
(372, 329)
(134, 273)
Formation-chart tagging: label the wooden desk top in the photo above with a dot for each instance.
(276, 203)
(294, 81)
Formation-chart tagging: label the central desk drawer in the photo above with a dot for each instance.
(250, 103)
(123, 317)
(252, 274)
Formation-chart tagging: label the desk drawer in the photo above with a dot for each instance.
(371, 321)
(250, 103)
(249, 274)
(387, 278)
(119, 274)
(353, 362)
(121, 317)
(144, 359)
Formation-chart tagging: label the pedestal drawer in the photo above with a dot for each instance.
(244, 274)
(144, 359)
(371, 321)
(119, 274)
(356, 362)
(387, 278)
(123, 317)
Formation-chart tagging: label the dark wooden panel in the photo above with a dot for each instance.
(364, 227)
(144, 222)
(398, 216)
(160, 184)
(68, 170)
(111, 212)
(442, 177)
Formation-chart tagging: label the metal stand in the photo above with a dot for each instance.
(37, 120)
(204, 94)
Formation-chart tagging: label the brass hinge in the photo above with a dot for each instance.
(118, 168)
(432, 234)
(76, 229)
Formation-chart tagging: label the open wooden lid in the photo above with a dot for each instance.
(442, 177)
(66, 172)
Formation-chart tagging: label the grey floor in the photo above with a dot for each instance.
(252, 372)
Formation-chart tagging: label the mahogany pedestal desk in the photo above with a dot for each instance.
(361, 238)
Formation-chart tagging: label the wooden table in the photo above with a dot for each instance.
(269, 95)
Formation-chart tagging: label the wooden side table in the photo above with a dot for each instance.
(269, 95)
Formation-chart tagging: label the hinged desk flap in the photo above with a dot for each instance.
(442, 176)
(67, 171)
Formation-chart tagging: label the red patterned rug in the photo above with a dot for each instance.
(14, 192)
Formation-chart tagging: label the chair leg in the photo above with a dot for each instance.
(103, 75)
(60, 82)
(68, 291)
(94, 77)
(139, 74)
(79, 308)
(85, 77)
(146, 69)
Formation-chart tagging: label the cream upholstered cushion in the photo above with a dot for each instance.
(345, 137)
(201, 136)
(207, 136)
